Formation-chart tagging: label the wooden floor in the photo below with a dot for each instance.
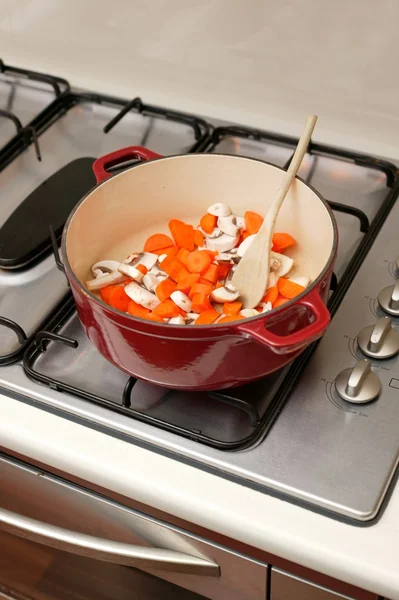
(29, 571)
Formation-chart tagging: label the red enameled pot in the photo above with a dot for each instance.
(118, 215)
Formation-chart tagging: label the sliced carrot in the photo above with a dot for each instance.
(183, 313)
(142, 268)
(169, 251)
(198, 261)
(118, 298)
(153, 317)
(157, 241)
(200, 303)
(224, 270)
(212, 273)
(167, 309)
(289, 289)
(185, 283)
(200, 288)
(106, 291)
(229, 319)
(182, 234)
(271, 295)
(164, 289)
(208, 223)
(232, 308)
(198, 238)
(207, 317)
(183, 255)
(280, 301)
(253, 221)
(136, 310)
(211, 253)
(282, 241)
(174, 268)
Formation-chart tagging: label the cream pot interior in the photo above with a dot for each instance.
(117, 217)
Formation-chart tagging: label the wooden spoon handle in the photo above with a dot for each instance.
(292, 170)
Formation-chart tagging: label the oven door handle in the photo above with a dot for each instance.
(75, 542)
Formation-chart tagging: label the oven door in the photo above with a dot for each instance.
(58, 540)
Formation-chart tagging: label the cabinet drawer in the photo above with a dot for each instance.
(285, 586)
(52, 513)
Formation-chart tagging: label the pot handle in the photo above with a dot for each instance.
(284, 344)
(119, 156)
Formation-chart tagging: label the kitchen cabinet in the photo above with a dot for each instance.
(57, 538)
(285, 586)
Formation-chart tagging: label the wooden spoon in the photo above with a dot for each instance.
(252, 273)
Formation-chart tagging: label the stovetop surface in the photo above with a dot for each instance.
(310, 445)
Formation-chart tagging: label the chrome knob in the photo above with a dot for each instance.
(379, 340)
(359, 384)
(389, 299)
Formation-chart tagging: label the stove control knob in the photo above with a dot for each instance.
(359, 384)
(379, 340)
(389, 299)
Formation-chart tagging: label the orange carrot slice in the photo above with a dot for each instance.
(282, 241)
(212, 274)
(224, 270)
(186, 283)
(118, 298)
(198, 261)
(200, 303)
(174, 268)
(136, 310)
(167, 309)
(200, 288)
(232, 308)
(280, 301)
(229, 319)
(183, 255)
(289, 289)
(142, 268)
(169, 251)
(157, 241)
(253, 221)
(208, 223)
(207, 317)
(182, 234)
(271, 295)
(106, 291)
(152, 317)
(198, 238)
(164, 289)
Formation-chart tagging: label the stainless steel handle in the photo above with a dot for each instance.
(107, 550)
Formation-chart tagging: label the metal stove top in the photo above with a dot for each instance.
(290, 434)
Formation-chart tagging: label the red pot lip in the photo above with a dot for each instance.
(212, 327)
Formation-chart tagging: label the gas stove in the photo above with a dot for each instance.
(321, 432)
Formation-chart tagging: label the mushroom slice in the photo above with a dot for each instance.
(176, 321)
(301, 280)
(181, 300)
(226, 293)
(243, 247)
(104, 266)
(141, 296)
(216, 233)
(131, 258)
(224, 243)
(150, 281)
(248, 312)
(272, 281)
(219, 210)
(131, 272)
(241, 223)
(108, 279)
(280, 263)
(147, 259)
(266, 306)
(226, 257)
(228, 225)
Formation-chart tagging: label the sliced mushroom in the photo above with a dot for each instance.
(216, 233)
(243, 247)
(241, 223)
(104, 266)
(266, 306)
(248, 312)
(228, 225)
(150, 281)
(147, 259)
(141, 296)
(131, 272)
(280, 263)
(176, 320)
(301, 280)
(108, 279)
(219, 210)
(157, 271)
(181, 300)
(131, 258)
(191, 318)
(272, 281)
(218, 307)
(226, 257)
(226, 293)
(224, 243)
